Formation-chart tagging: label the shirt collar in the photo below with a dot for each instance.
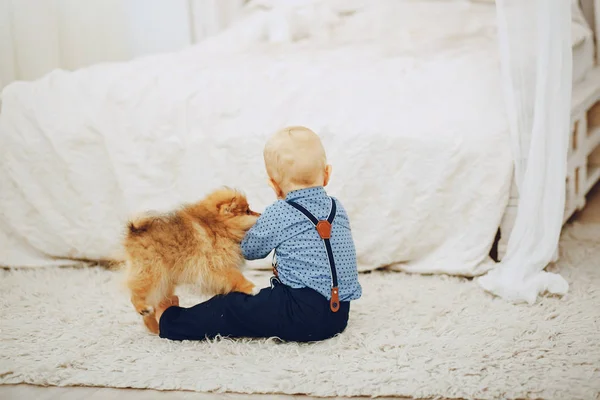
(318, 191)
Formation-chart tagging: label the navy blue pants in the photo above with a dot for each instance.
(298, 315)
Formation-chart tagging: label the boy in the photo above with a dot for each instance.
(315, 274)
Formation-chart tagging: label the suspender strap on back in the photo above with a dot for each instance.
(323, 227)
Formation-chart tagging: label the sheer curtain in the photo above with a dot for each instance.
(536, 54)
(37, 36)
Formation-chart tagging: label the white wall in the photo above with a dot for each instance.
(37, 36)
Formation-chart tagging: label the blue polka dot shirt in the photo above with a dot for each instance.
(299, 250)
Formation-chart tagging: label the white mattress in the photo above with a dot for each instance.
(583, 45)
(410, 112)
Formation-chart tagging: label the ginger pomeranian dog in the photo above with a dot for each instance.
(198, 244)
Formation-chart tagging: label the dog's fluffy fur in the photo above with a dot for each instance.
(198, 244)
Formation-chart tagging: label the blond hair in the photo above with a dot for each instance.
(295, 158)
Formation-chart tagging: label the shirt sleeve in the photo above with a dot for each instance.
(341, 216)
(263, 237)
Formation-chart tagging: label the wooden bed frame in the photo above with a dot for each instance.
(583, 165)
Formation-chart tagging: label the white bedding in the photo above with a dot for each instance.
(583, 44)
(410, 112)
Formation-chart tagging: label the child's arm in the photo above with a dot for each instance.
(263, 237)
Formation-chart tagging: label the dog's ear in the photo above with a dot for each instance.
(228, 207)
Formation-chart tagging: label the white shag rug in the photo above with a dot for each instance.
(410, 335)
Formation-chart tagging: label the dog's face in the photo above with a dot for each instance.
(233, 208)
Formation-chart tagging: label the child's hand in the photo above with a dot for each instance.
(171, 301)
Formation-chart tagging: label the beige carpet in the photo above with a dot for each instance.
(419, 336)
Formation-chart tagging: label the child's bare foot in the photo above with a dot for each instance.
(171, 301)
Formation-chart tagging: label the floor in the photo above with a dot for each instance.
(22, 392)
(591, 215)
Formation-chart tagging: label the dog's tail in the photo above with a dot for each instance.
(142, 224)
(139, 226)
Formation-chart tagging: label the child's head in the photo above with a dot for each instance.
(295, 159)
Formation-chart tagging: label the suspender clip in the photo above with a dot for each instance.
(324, 229)
(334, 303)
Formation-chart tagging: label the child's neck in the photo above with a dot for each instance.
(296, 188)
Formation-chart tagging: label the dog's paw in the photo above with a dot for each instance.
(148, 310)
(255, 290)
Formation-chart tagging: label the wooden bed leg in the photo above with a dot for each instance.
(506, 226)
(494, 249)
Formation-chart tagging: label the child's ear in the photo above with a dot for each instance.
(276, 189)
(327, 175)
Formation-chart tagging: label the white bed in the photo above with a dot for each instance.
(410, 112)
(583, 47)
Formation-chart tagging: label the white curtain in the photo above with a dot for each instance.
(536, 54)
(37, 36)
